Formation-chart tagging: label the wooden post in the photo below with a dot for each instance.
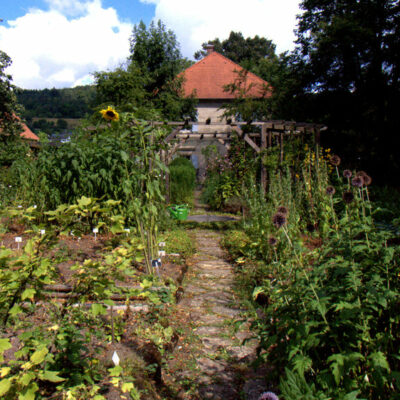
(263, 168)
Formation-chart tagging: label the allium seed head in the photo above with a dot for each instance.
(367, 180)
(279, 220)
(347, 173)
(272, 241)
(358, 181)
(335, 160)
(282, 210)
(330, 190)
(268, 396)
(348, 197)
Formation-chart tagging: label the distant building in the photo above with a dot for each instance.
(207, 79)
(26, 132)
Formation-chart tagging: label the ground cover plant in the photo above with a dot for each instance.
(81, 228)
(326, 276)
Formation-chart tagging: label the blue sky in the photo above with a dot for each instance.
(60, 43)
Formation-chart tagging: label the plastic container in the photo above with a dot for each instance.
(179, 212)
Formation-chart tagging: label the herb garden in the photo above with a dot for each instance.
(92, 264)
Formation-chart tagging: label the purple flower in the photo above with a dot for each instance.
(268, 396)
(347, 173)
(279, 220)
(358, 181)
(335, 160)
(272, 241)
(282, 210)
(330, 190)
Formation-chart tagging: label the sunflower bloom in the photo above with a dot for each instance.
(110, 114)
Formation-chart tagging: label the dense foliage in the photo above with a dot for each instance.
(182, 175)
(326, 277)
(74, 102)
(149, 79)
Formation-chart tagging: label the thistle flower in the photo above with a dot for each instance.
(272, 241)
(347, 173)
(358, 181)
(282, 210)
(348, 197)
(268, 396)
(279, 220)
(110, 114)
(366, 178)
(330, 190)
(335, 160)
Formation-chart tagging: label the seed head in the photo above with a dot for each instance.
(279, 220)
(335, 160)
(358, 181)
(330, 190)
(268, 396)
(282, 210)
(347, 173)
(348, 197)
(272, 241)
(367, 180)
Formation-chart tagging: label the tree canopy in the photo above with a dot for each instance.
(9, 123)
(149, 78)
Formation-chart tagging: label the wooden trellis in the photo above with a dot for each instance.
(270, 133)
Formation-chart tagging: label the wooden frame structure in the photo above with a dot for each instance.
(270, 133)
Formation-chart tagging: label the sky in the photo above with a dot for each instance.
(60, 43)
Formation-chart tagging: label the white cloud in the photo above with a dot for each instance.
(195, 22)
(62, 46)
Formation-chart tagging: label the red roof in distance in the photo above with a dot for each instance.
(207, 78)
(27, 133)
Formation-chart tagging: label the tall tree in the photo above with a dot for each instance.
(149, 79)
(349, 52)
(9, 123)
(247, 52)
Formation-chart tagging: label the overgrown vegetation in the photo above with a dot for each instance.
(182, 180)
(325, 275)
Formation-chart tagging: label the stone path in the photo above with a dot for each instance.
(220, 366)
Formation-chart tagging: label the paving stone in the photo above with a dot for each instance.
(209, 331)
(226, 311)
(213, 344)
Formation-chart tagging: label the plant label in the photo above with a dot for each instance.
(115, 358)
(42, 232)
(161, 244)
(127, 230)
(95, 230)
(161, 253)
(18, 239)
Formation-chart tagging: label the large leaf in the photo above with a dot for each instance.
(51, 376)
(39, 355)
(5, 385)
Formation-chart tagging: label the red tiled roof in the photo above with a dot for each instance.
(27, 133)
(206, 79)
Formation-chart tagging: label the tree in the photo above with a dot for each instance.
(348, 57)
(247, 52)
(149, 79)
(9, 123)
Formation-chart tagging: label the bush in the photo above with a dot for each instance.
(182, 180)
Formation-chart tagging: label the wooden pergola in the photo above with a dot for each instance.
(269, 133)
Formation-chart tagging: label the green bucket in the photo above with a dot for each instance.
(179, 212)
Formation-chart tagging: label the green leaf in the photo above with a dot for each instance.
(27, 378)
(28, 294)
(5, 385)
(379, 360)
(4, 345)
(52, 376)
(39, 355)
(29, 393)
(98, 309)
(124, 156)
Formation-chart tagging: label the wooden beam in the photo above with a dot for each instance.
(263, 168)
(251, 143)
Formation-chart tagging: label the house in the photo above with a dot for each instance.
(26, 132)
(207, 80)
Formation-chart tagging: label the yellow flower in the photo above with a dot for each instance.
(110, 114)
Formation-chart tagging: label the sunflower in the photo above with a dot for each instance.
(110, 114)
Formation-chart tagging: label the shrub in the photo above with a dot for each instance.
(182, 180)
